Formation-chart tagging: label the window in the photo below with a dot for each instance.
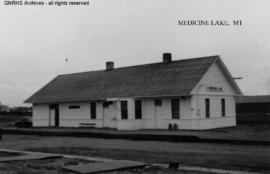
(93, 110)
(175, 108)
(223, 107)
(124, 110)
(74, 107)
(138, 109)
(158, 102)
(207, 107)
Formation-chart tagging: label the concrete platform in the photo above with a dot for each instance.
(107, 166)
(129, 164)
(26, 156)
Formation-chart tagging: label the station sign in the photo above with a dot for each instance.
(214, 89)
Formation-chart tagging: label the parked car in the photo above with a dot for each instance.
(24, 123)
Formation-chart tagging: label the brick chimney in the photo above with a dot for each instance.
(109, 65)
(167, 58)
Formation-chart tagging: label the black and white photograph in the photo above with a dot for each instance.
(134, 86)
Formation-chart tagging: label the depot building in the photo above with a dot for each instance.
(197, 93)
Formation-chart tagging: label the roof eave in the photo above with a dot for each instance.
(106, 99)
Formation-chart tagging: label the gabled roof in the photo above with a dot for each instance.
(253, 99)
(228, 76)
(177, 78)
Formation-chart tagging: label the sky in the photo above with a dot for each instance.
(35, 41)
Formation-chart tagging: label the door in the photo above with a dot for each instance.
(51, 117)
(138, 109)
(54, 115)
(109, 114)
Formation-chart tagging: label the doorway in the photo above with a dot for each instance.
(54, 115)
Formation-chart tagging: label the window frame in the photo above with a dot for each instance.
(158, 102)
(93, 110)
(124, 109)
(74, 107)
(138, 109)
(223, 107)
(175, 109)
(207, 107)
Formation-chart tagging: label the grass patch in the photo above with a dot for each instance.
(9, 120)
(223, 161)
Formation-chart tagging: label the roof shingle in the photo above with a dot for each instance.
(177, 78)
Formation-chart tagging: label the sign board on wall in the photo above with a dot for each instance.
(214, 89)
